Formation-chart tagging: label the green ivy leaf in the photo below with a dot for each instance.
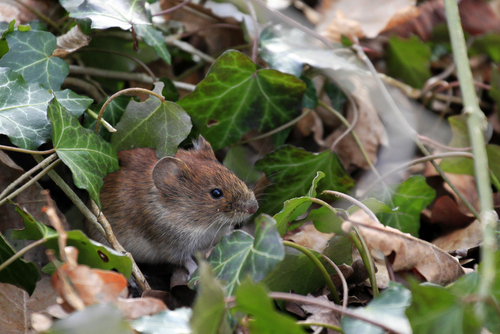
(124, 14)
(154, 124)
(30, 54)
(325, 220)
(387, 308)
(298, 273)
(19, 273)
(235, 98)
(409, 60)
(209, 309)
(275, 55)
(23, 111)
(436, 310)
(86, 154)
(296, 207)
(336, 95)
(90, 253)
(487, 44)
(74, 103)
(236, 161)
(407, 200)
(239, 255)
(253, 300)
(310, 99)
(290, 170)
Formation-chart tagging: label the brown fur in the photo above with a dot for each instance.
(162, 210)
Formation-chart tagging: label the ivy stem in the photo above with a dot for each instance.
(395, 110)
(476, 123)
(104, 123)
(122, 92)
(22, 251)
(30, 182)
(255, 42)
(22, 150)
(418, 161)
(20, 179)
(321, 303)
(309, 324)
(278, 129)
(342, 279)
(318, 265)
(360, 243)
(353, 201)
(355, 136)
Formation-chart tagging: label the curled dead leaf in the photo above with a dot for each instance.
(71, 41)
(411, 253)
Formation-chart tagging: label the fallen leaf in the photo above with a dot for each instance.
(71, 41)
(447, 214)
(133, 308)
(465, 238)
(319, 314)
(411, 253)
(363, 18)
(311, 238)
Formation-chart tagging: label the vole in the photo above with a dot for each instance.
(164, 211)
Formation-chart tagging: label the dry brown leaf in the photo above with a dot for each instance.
(363, 18)
(466, 184)
(411, 253)
(16, 306)
(70, 42)
(311, 238)
(465, 238)
(14, 10)
(133, 308)
(447, 214)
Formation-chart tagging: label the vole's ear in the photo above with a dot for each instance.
(203, 147)
(167, 171)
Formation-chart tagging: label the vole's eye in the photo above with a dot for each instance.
(216, 193)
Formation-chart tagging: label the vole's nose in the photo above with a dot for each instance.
(250, 206)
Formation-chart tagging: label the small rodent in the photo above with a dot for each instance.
(166, 210)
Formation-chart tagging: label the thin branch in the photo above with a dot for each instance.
(353, 201)
(189, 48)
(278, 129)
(438, 144)
(476, 122)
(211, 26)
(27, 174)
(319, 265)
(22, 150)
(172, 9)
(104, 123)
(124, 91)
(21, 252)
(85, 85)
(30, 182)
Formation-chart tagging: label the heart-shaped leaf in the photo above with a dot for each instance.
(124, 14)
(30, 54)
(235, 98)
(88, 156)
(23, 111)
(291, 170)
(239, 255)
(154, 124)
(74, 103)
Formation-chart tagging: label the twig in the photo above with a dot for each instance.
(318, 265)
(22, 150)
(20, 179)
(124, 91)
(138, 61)
(211, 26)
(278, 129)
(322, 303)
(446, 147)
(141, 77)
(172, 9)
(110, 236)
(21, 252)
(476, 122)
(351, 126)
(87, 86)
(342, 279)
(189, 49)
(30, 182)
(353, 201)
(255, 42)
(411, 131)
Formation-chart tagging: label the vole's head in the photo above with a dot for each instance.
(194, 184)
